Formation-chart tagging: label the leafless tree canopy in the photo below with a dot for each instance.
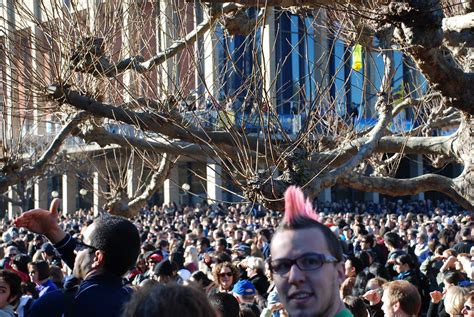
(130, 81)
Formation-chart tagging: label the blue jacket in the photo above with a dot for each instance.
(101, 295)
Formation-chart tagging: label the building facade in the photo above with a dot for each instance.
(291, 61)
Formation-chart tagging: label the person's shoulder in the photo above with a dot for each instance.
(50, 304)
(7, 311)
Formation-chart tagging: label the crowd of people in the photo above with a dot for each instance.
(342, 259)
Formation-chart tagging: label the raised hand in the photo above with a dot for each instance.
(43, 221)
(436, 297)
(373, 296)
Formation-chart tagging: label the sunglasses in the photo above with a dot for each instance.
(81, 246)
(229, 274)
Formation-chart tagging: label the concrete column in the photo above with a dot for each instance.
(39, 122)
(199, 49)
(70, 191)
(374, 197)
(325, 195)
(171, 187)
(129, 48)
(214, 182)
(416, 169)
(8, 25)
(13, 210)
(210, 61)
(167, 26)
(133, 178)
(321, 51)
(372, 77)
(99, 187)
(268, 58)
(41, 194)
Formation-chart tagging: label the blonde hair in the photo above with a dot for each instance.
(454, 300)
(255, 263)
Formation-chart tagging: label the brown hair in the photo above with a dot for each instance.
(469, 297)
(220, 266)
(406, 294)
(168, 301)
(347, 286)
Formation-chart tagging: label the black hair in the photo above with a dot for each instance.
(222, 241)
(364, 257)
(356, 305)
(379, 270)
(29, 288)
(392, 239)
(405, 259)
(120, 241)
(205, 241)
(266, 233)
(168, 301)
(21, 261)
(14, 281)
(226, 304)
(356, 263)
(454, 277)
(361, 282)
(42, 268)
(199, 276)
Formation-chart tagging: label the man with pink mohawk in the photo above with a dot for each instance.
(307, 262)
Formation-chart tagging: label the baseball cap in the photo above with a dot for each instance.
(244, 287)
(48, 248)
(243, 248)
(155, 257)
(164, 268)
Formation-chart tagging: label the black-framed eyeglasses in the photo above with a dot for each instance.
(306, 262)
(81, 246)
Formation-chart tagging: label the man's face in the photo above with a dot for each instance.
(85, 257)
(349, 269)
(307, 293)
(33, 273)
(364, 244)
(201, 247)
(387, 307)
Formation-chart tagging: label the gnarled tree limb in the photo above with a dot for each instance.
(27, 172)
(401, 187)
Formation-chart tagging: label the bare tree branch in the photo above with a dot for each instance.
(125, 208)
(148, 121)
(102, 66)
(103, 137)
(384, 109)
(458, 23)
(402, 187)
(10, 178)
(389, 144)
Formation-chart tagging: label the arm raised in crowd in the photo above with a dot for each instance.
(43, 221)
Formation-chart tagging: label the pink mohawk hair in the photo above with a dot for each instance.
(297, 206)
